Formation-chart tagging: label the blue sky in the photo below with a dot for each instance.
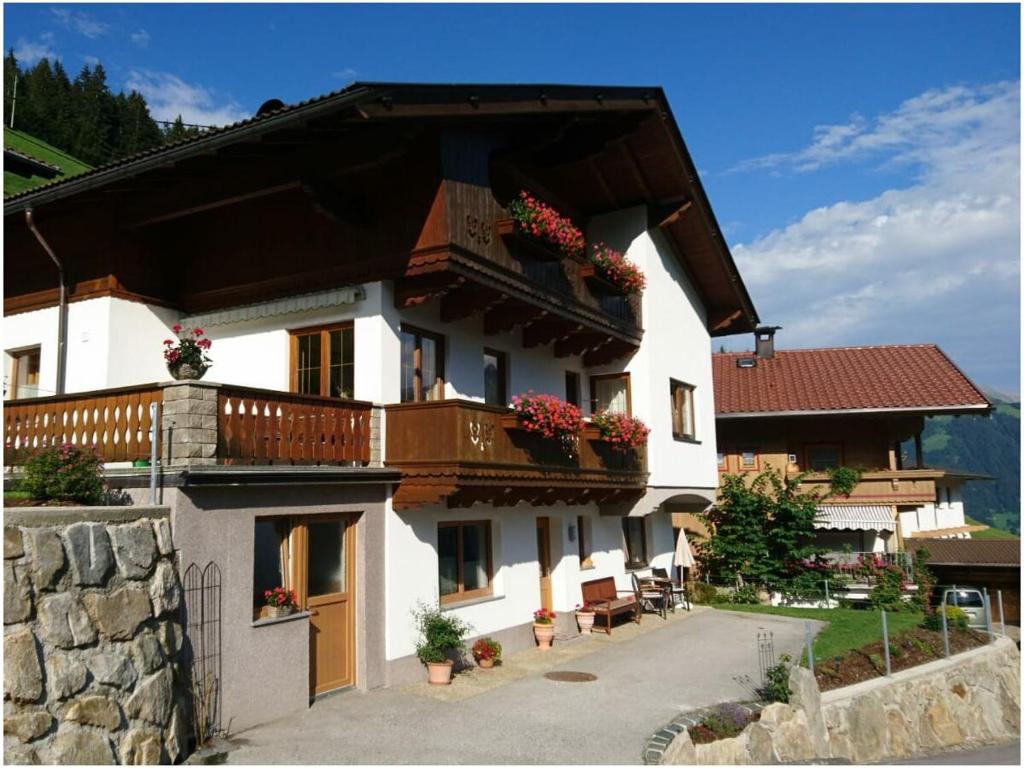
(862, 160)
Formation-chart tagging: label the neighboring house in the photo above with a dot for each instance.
(30, 162)
(993, 565)
(811, 410)
(371, 320)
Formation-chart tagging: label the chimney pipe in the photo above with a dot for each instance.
(764, 341)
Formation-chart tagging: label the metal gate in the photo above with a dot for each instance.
(203, 647)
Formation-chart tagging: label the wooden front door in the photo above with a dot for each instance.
(325, 571)
(544, 560)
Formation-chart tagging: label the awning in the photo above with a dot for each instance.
(683, 557)
(335, 297)
(855, 517)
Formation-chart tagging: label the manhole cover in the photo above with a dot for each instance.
(571, 677)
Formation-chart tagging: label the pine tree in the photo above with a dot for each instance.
(11, 74)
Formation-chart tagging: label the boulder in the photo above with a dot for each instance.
(63, 622)
(14, 547)
(164, 590)
(89, 553)
(164, 542)
(110, 667)
(680, 751)
(95, 710)
(148, 655)
(65, 675)
(118, 614)
(153, 699)
(939, 723)
(724, 752)
(759, 745)
(23, 675)
(20, 754)
(805, 695)
(901, 740)
(866, 729)
(134, 548)
(47, 557)
(141, 746)
(28, 725)
(17, 594)
(78, 746)
(176, 735)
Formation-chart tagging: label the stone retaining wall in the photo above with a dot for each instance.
(969, 700)
(92, 639)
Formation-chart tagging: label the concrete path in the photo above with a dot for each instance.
(1002, 754)
(641, 685)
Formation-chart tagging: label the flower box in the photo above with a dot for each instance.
(510, 421)
(520, 242)
(543, 230)
(591, 432)
(598, 284)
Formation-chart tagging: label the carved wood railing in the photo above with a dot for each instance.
(260, 426)
(114, 422)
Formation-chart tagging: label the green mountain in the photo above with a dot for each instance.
(40, 150)
(988, 446)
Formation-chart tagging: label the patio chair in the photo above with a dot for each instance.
(678, 588)
(652, 597)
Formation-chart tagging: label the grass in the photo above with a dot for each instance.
(990, 533)
(40, 150)
(16, 495)
(847, 629)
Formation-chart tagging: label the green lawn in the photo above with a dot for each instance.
(991, 533)
(848, 628)
(40, 150)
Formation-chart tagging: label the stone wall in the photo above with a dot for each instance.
(92, 640)
(969, 700)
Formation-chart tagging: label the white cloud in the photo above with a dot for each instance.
(169, 96)
(937, 260)
(141, 38)
(30, 51)
(348, 73)
(80, 22)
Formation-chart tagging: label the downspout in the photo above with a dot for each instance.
(62, 317)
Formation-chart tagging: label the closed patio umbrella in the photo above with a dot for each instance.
(683, 557)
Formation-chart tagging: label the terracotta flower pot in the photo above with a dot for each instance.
(439, 673)
(586, 621)
(485, 663)
(544, 633)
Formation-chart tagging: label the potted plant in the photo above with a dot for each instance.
(187, 360)
(544, 628)
(486, 652)
(547, 416)
(585, 618)
(539, 222)
(621, 432)
(280, 602)
(441, 635)
(611, 272)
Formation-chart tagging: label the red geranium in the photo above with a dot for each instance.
(544, 616)
(191, 348)
(617, 269)
(549, 416)
(280, 597)
(622, 432)
(536, 219)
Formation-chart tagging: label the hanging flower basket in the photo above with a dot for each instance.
(548, 233)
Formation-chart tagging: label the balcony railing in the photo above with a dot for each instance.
(884, 486)
(858, 565)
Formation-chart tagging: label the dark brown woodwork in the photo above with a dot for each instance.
(519, 242)
(579, 343)
(213, 204)
(608, 353)
(413, 291)
(546, 331)
(468, 301)
(598, 284)
(508, 315)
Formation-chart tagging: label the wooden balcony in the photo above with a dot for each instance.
(460, 452)
(884, 486)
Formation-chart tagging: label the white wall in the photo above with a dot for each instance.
(948, 513)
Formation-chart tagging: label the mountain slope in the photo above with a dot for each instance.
(40, 150)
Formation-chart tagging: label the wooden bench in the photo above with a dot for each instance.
(601, 596)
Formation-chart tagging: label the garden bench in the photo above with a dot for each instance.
(601, 596)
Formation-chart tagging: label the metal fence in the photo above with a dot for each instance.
(202, 622)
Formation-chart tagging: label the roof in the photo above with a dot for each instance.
(855, 517)
(834, 380)
(990, 552)
(39, 161)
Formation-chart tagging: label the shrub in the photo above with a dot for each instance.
(703, 593)
(64, 473)
(745, 595)
(727, 720)
(440, 633)
(955, 619)
(777, 680)
(888, 590)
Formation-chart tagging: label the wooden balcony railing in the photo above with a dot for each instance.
(459, 452)
(115, 422)
(885, 486)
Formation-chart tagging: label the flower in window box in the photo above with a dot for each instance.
(615, 268)
(621, 432)
(280, 602)
(542, 222)
(548, 416)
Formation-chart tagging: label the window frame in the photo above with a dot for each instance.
(723, 466)
(287, 524)
(630, 564)
(603, 377)
(18, 357)
(503, 375)
(832, 444)
(464, 595)
(674, 386)
(584, 550)
(439, 381)
(325, 356)
(739, 459)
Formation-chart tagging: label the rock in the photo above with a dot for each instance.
(112, 668)
(164, 542)
(938, 721)
(14, 547)
(47, 556)
(78, 746)
(724, 752)
(20, 754)
(89, 552)
(805, 695)
(901, 741)
(152, 699)
(141, 747)
(118, 614)
(65, 675)
(777, 713)
(759, 745)
(28, 725)
(172, 638)
(134, 548)
(17, 594)
(176, 736)
(95, 710)
(148, 656)
(680, 751)
(23, 675)
(793, 740)
(866, 721)
(63, 622)
(164, 590)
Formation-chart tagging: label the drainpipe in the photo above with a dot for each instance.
(62, 317)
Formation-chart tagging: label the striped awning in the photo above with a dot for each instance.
(855, 517)
(351, 294)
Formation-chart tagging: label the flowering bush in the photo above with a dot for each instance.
(622, 432)
(281, 597)
(535, 219)
(486, 648)
(64, 473)
(190, 350)
(548, 416)
(544, 616)
(617, 269)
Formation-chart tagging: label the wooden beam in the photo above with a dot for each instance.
(609, 352)
(578, 343)
(508, 315)
(546, 331)
(722, 320)
(413, 291)
(673, 217)
(210, 205)
(468, 301)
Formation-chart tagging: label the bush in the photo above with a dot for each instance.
(64, 473)
(955, 618)
(777, 686)
(745, 595)
(703, 593)
(440, 634)
(888, 590)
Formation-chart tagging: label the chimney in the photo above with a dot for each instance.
(764, 341)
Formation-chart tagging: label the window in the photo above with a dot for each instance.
(824, 456)
(23, 376)
(682, 410)
(572, 388)
(463, 560)
(748, 459)
(610, 393)
(635, 532)
(270, 560)
(495, 377)
(723, 462)
(422, 365)
(583, 541)
(323, 361)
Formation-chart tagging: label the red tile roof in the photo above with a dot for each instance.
(896, 377)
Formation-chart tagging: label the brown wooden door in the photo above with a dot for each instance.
(544, 560)
(325, 571)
